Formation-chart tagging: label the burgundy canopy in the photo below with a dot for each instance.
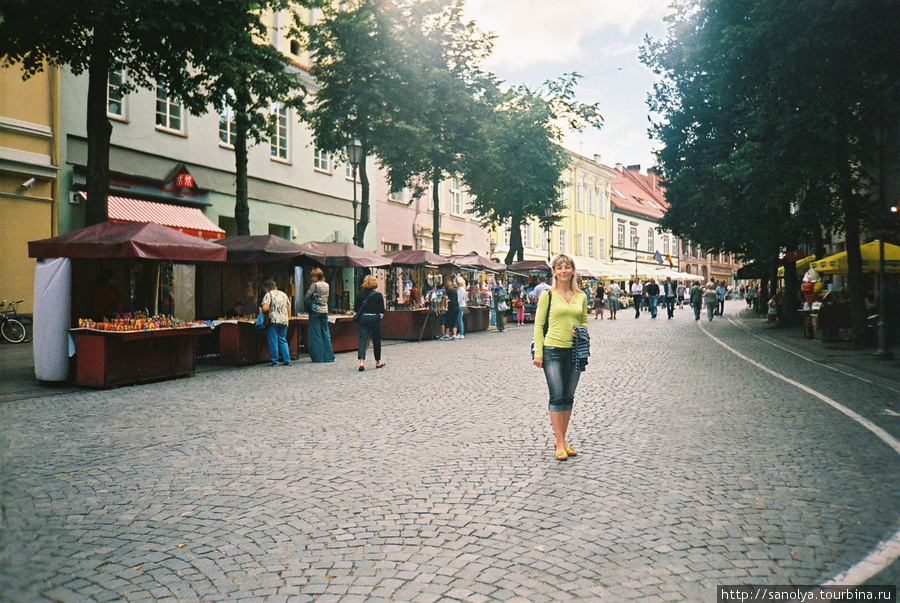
(473, 260)
(343, 255)
(259, 248)
(128, 240)
(530, 266)
(416, 257)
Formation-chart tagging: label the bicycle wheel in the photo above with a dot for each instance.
(12, 330)
(28, 323)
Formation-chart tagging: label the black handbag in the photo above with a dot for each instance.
(546, 319)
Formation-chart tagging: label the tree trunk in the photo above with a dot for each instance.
(851, 236)
(789, 303)
(436, 215)
(241, 192)
(99, 131)
(363, 223)
(515, 240)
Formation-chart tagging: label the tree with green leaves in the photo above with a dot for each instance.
(515, 172)
(354, 61)
(176, 43)
(765, 120)
(435, 121)
(251, 77)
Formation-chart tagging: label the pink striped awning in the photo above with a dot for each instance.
(188, 220)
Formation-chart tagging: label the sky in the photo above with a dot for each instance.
(539, 40)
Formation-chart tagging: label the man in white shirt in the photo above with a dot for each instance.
(541, 287)
(637, 293)
(462, 295)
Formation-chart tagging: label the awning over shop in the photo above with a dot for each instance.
(259, 248)
(476, 262)
(802, 265)
(128, 240)
(188, 220)
(837, 263)
(416, 257)
(526, 266)
(345, 255)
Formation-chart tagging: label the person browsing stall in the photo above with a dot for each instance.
(318, 334)
(278, 305)
(370, 307)
(563, 308)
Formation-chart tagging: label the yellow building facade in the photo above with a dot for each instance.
(29, 149)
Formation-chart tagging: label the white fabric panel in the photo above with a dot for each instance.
(185, 291)
(52, 316)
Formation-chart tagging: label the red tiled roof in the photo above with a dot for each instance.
(632, 191)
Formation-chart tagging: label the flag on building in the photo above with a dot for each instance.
(669, 259)
(658, 257)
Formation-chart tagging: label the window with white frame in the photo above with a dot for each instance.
(590, 200)
(564, 193)
(563, 240)
(507, 231)
(601, 248)
(279, 141)
(528, 235)
(650, 241)
(322, 161)
(620, 236)
(227, 125)
(545, 239)
(666, 245)
(579, 243)
(634, 238)
(397, 196)
(592, 246)
(579, 197)
(115, 95)
(455, 197)
(602, 201)
(169, 113)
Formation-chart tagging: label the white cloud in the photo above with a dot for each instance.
(535, 31)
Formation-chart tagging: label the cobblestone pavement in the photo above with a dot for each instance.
(434, 479)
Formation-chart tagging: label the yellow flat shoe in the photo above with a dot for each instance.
(561, 455)
(571, 451)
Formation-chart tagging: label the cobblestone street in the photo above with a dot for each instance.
(434, 478)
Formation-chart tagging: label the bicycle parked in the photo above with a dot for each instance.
(14, 327)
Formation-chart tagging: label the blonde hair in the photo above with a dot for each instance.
(460, 281)
(562, 257)
(370, 282)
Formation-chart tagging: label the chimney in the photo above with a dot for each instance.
(597, 157)
(653, 178)
(620, 167)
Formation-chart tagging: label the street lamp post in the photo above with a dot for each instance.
(636, 241)
(354, 155)
(548, 213)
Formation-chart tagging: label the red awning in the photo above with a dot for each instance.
(183, 219)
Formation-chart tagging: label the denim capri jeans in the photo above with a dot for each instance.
(562, 378)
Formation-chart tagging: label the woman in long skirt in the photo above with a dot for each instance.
(319, 336)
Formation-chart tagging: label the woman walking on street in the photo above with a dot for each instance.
(711, 299)
(613, 296)
(318, 334)
(599, 294)
(370, 307)
(278, 305)
(560, 309)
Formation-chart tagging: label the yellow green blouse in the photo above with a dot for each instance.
(563, 318)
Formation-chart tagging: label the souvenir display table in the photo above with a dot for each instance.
(344, 332)
(113, 358)
(478, 318)
(410, 325)
(240, 343)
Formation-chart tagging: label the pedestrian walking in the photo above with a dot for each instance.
(696, 299)
(278, 305)
(721, 291)
(681, 291)
(561, 309)
(637, 293)
(599, 294)
(318, 335)
(462, 297)
(651, 292)
(670, 291)
(711, 299)
(519, 307)
(369, 307)
(500, 307)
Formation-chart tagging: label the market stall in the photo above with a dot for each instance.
(523, 276)
(149, 335)
(238, 281)
(478, 312)
(340, 262)
(410, 316)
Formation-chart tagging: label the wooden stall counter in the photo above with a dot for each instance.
(410, 325)
(478, 318)
(240, 343)
(344, 332)
(112, 358)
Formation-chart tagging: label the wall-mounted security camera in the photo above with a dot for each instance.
(28, 183)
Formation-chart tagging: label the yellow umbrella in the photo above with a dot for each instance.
(802, 265)
(837, 263)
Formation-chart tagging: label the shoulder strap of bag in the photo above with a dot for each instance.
(547, 318)
(366, 301)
